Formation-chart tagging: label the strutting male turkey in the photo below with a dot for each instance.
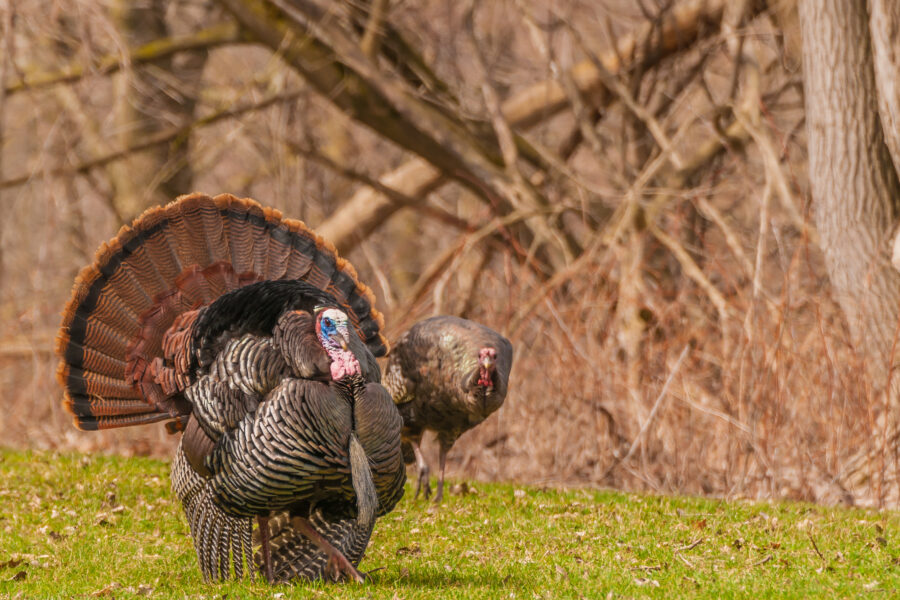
(445, 374)
(247, 332)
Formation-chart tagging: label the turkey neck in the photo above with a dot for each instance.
(489, 399)
(482, 395)
(353, 388)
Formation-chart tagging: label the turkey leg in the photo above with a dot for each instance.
(424, 472)
(337, 563)
(443, 463)
(263, 523)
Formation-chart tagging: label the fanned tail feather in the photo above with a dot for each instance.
(171, 260)
(222, 542)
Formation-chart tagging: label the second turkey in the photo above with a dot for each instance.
(446, 374)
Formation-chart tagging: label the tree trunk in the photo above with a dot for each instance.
(6, 29)
(855, 191)
(885, 25)
(151, 98)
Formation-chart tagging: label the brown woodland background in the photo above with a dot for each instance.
(619, 187)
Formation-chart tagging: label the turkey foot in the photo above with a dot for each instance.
(422, 483)
(424, 473)
(337, 565)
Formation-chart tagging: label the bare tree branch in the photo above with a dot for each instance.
(394, 48)
(682, 26)
(211, 37)
(396, 196)
(625, 96)
(692, 270)
(163, 137)
(373, 34)
(332, 63)
(523, 194)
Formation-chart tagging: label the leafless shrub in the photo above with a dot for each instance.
(669, 213)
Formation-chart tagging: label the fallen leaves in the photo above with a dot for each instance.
(460, 489)
(53, 536)
(872, 586)
(411, 550)
(39, 561)
(108, 590)
(11, 563)
(104, 518)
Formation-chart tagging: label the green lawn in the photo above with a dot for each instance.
(98, 526)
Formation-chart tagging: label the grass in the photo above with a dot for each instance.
(100, 526)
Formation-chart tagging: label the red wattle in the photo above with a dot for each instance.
(484, 378)
(343, 363)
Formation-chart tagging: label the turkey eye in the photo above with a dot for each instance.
(327, 322)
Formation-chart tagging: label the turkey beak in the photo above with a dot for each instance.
(487, 362)
(344, 341)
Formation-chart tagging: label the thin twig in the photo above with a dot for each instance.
(766, 559)
(613, 84)
(150, 141)
(395, 195)
(521, 194)
(758, 288)
(692, 545)
(629, 205)
(779, 180)
(692, 270)
(751, 437)
(731, 239)
(558, 279)
(686, 23)
(463, 245)
(639, 437)
(718, 414)
(815, 546)
(372, 34)
(217, 35)
(565, 79)
(390, 300)
(680, 557)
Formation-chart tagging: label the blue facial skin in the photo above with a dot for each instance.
(328, 327)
